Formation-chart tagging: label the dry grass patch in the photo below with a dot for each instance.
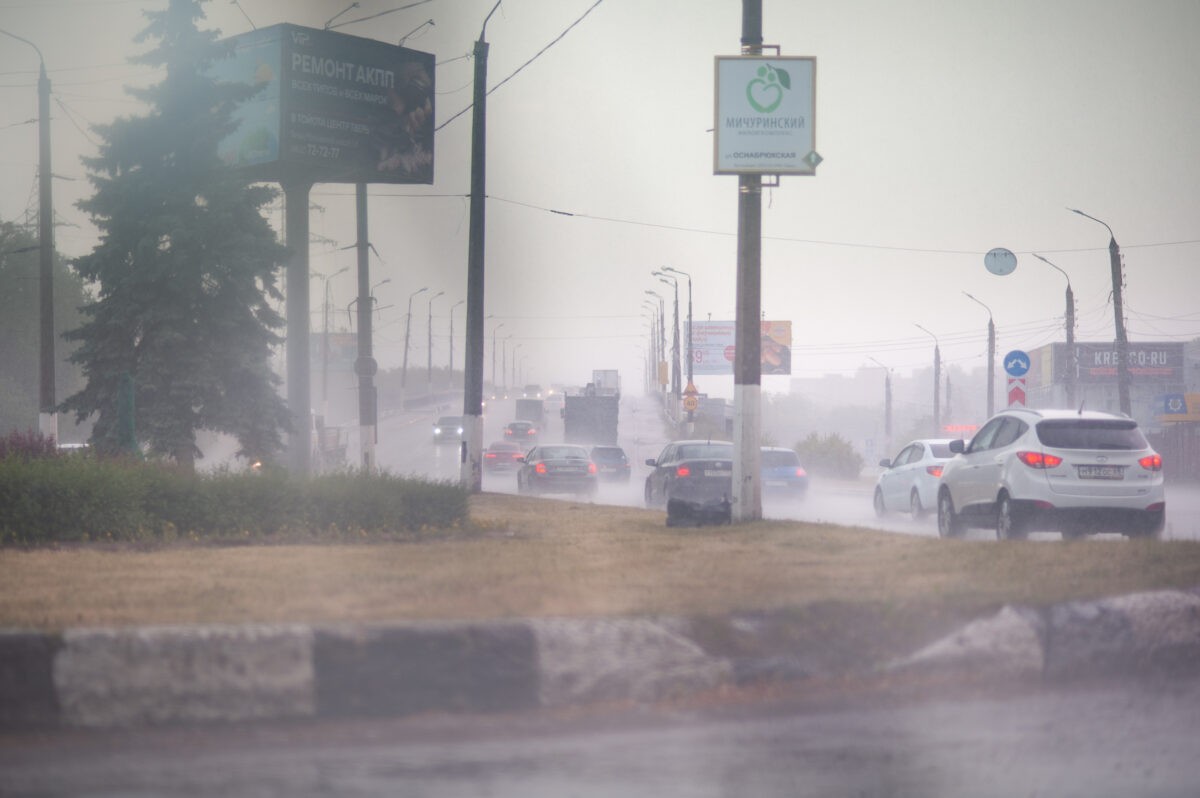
(540, 557)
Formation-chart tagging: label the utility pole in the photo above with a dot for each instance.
(1072, 355)
(472, 445)
(429, 340)
(47, 415)
(1122, 342)
(937, 382)
(296, 192)
(407, 330)
(887, 403)
(991, 366)
(747, 366)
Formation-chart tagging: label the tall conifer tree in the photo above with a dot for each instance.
(187, 266)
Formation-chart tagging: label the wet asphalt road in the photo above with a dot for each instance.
(1112, 739)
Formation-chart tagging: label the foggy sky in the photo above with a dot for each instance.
(947, 129)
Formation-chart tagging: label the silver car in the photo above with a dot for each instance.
(909, 482)
(1076, 472)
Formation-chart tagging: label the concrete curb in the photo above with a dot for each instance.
(105, 678)
(1142, 633)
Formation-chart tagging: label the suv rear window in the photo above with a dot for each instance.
(778, 459)
(1091, 434)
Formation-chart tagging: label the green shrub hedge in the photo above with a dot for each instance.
(78, 498)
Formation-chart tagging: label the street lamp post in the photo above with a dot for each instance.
(652, 381)
(47, 416)
(1073, 375)
(689, 319)
(429, 337)
(515, 381)
(1114, 258)
(662, 325)
(325, 340)
(676, 377)
(495, 384)
(452, 307)
(991, 366)
(407, 331)
(887, 402)
(937, 380)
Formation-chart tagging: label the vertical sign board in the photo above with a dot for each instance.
(1016, 366)
(331, 108)
(765, 115)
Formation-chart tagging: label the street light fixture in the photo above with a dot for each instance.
(689, 319)
(662, 325)
(325, 339)
(429, 338)
(1118, 280)
(452, 307)
(676, 387)
(991, 374)
(407, 330)
(887, 402)
(1070, 323)
(937, 379)
(494, 329)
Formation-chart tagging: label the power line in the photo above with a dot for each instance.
(536, 55)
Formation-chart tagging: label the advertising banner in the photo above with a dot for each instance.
(765, 110)
(713, 347)
(332, 108)
(1148, 362)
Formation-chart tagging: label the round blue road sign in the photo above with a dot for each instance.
(1016, 363)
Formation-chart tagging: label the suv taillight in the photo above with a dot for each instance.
(934, 471)
(1151, 462)
(1039, 459)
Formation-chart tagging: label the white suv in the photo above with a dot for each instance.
(1077, 472)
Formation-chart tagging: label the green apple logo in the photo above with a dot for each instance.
(765, 92)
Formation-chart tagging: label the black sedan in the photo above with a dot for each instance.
(522, 433)
(557, 468)
(693, 480)
(612, 463)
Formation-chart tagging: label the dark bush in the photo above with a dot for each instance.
(829, 455)
(67, 499)
(27, 446)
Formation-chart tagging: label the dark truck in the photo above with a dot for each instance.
(531, 410)
(590, 419)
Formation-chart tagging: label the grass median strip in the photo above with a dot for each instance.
(525, 557)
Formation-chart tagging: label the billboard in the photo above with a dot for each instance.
(331, 108)
(1159, 362)
(764, 115)
(713, 347)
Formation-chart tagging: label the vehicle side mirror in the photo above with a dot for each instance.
(885, 463)
(651, 462)
(957, 446)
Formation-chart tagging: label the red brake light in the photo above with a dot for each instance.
(799, 471)
(490, 454)
(531, 431)
(934, 471)
(540, 468)
(683, 471)
(1151, 462)
(1039, 459)
(591, 468)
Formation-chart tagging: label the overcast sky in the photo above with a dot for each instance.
(947, 129)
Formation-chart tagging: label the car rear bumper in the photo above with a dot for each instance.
(1093, 519)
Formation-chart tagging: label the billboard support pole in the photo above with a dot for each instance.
(365, 366)
(747, 371)
(295, 200)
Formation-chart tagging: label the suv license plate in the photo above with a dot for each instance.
(1101, 472)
